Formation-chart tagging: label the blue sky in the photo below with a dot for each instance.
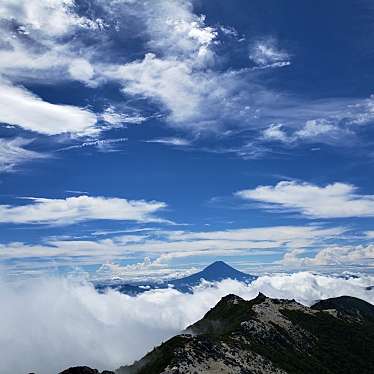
(181, 132)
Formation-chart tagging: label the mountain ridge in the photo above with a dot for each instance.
(273, 336)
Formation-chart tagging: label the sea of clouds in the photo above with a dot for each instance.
(48, 325)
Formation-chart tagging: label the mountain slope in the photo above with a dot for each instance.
(266, 335)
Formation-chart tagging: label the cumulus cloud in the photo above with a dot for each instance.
(13, 153)
(192, 97)
(361, 255)
(175, 30)
(57, 323)
(331, 201)
(80, 208)
(20, 107)
(81, 70)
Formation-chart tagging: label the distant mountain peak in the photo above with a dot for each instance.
(219, 265)
(215, 272)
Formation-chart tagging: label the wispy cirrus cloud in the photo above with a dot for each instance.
(103, 145)
(116, 118)
(266, 54)
(171, 141)
(13, 153)
(336, 200)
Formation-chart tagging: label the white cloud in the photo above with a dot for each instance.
(230, 31)
(178, 70)
(81, 70)
(276, 132)
(176, 31)
(370, 234)
(334, 255)
(315, 130)
(20, 107)
(332, 201)
(116, 118)
(146, 271)
(39, 44)
(278, 234)
(170, 141)
(167, 245)
(80, 208)
(103, 145)
(171, 82)
(13, 153)
(56, 16)
(362, 112)
(45, 43)
(57, 323)
(266, 54)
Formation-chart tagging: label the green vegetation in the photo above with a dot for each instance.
(343, 347)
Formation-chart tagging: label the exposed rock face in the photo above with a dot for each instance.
(84, 370)
(271, 336)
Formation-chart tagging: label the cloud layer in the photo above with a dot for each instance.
(331, 201)
(51, 324)
(164, 245)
